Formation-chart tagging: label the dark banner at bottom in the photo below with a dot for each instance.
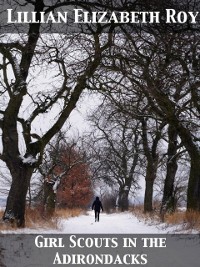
(46, 250)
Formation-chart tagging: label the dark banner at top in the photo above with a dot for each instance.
(89, 16)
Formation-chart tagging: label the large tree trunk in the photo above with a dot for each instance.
(193, 193)
(187, 138)
(149, 179)
(168, 203)
(152, 164)
(123, 202)
(21, 173)
(16, 201)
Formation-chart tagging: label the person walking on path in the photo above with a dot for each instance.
(97, 206)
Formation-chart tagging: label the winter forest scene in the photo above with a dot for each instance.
(105, 109)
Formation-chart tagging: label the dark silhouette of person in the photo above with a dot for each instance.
(97, 206)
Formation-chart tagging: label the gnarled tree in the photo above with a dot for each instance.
(116, 151)
(41, 75)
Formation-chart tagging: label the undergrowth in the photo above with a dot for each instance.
(190, 220)
(35, 218)
(187, 220)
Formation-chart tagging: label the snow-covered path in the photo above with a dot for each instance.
(179, 252)
(116, 223)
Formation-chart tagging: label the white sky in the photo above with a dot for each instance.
(78, 117)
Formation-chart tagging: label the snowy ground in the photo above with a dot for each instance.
(116, 223)
(20, 250)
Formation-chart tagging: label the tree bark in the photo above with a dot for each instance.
(123, 199)
(168, 203)
(16, 201)
(152, 164)
(150, 178)
(193, 193)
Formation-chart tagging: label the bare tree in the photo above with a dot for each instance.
(163, 66)
(168, 200)
(117, 144)
(151, 136)
(67, 63)
(178, 197)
